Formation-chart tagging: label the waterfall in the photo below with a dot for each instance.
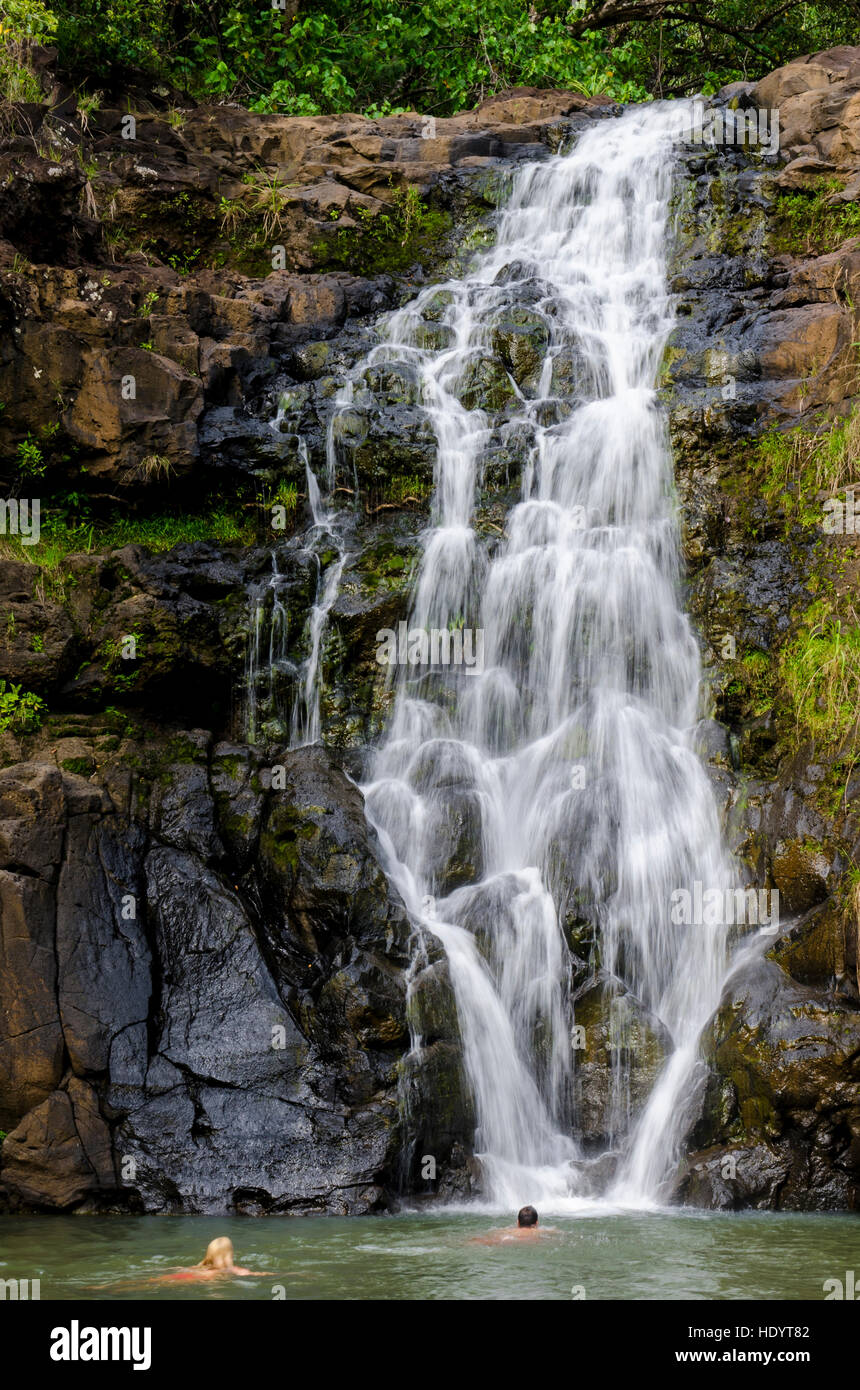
(264, 664)
(305, 723)
(267, 659)
(569, 758)
(306, 708)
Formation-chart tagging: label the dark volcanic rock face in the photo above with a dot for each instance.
(782, 1104)
(203, 988)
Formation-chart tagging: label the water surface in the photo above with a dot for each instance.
(678, 1255)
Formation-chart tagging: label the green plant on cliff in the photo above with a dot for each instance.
(88, 104)
(21, 711)
(407, 489)
(232, 212)
(753, 683)
(268, 205)
(147, 304)
(68, 529)
(385, 241)
(286, 495)
(809, 681)
(796, 466)
(29, 459)
(810, 224)
(23, 23)
(820, 673)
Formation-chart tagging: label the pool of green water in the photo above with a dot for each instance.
(669, 1255)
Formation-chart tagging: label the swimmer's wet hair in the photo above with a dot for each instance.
(219, 1254)
(527, 1216)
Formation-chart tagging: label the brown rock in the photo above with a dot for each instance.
(37, 641)
(61, 1152)
(31, 1038)
(32, 818)
(801, 873)
(125, 437)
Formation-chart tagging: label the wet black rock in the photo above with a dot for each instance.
(207, 1008)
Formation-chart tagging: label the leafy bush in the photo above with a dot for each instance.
(29, 459)
(20, 710)
(106, 36)
(22, 23)
(377, 55)
(381, 56)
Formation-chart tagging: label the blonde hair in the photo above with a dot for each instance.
(219, 1254)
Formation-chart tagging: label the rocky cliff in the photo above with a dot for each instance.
(208, 986)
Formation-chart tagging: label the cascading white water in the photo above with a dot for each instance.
(305, 724)
(267, 648)
(268, 618)
(572, 752)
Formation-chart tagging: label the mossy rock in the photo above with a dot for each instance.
(439, 1110)
(432, 1007)
(396, 383)
(437, 305)
(485, 385)
(619, 1049)
(520, 340)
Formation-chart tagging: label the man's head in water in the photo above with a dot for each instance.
(527, 1216)
(219, 1254)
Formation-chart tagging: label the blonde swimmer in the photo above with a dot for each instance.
(217, 1261)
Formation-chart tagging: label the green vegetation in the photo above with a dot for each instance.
(21, 711)
(147, 304)
(811, 682)
(381, 56)
(65, 532)
(22, 22)
(286, 495)
(755, 682)
(253, 220)
(387, 241)
(797, 466)
(82, 767)
(29, 459)
(374, 55)
(267, 205)
(113, 649)
(400, 491)
(819, 671)
(813, 223)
